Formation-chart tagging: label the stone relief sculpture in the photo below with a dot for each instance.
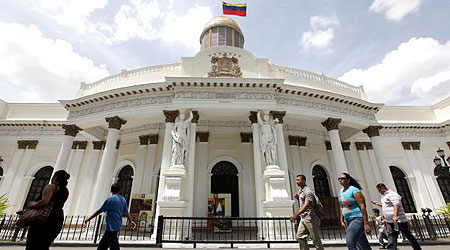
(180, 139)
(268, 139)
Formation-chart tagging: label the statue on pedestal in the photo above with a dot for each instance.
(180, 139)
(268, 139)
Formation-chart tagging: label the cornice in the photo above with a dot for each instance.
(31, 128)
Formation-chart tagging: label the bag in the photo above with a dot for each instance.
(318, 208)
(35, 216)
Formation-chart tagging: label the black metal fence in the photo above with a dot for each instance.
(74, 229)
(196, 230)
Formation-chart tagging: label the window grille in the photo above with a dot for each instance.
(125, 179)
(321, 183)
(403, 189)
(41, 179)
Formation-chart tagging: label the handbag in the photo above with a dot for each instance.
(35, 216)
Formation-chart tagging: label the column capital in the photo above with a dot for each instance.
(115, 122)
(253, 117)
(345, 146)
(360, 145)
(203, 136)
(171, 115)
(331, 123)
(278, 115)
(372, 131)
(293, 140)
(79, 145)
(195, 117)
(448, 144)
(415, 145)
(143, 140)
(153, 139)
(71, 129)
(302, 141)
(406, 145)
(27, 144)
(99, 145)
(246, 137)
(368, 145)
(328, 145)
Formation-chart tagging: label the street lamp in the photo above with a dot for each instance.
(441, 154)
(441, 170)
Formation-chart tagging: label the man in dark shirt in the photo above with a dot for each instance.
(309, 223)
(115, 206)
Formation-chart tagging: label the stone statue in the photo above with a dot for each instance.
(180, 139)
(268, 139)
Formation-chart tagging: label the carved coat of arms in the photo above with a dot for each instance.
(225, 66)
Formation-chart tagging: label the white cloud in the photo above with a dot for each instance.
(395, 10)
(146, 20)
(417, 72)
(73, 13)
(321, 34)
(41, 69)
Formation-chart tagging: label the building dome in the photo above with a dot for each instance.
(221, 31)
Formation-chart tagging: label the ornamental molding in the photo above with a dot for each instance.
(292, 127)
(223, 123)
(142, 128)
(31, 131)
(225, 66)
(413, 133)
(222, 94)
(324, 107)
(124, 104)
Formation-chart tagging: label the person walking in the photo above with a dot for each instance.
(380, 225)
(354, 217)
(115, 206)
(394, 214)
(41, 236)
(309, 223)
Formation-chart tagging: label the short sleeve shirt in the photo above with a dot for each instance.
(388, 200)
(350, 207)
(307, 194)
(114, 207)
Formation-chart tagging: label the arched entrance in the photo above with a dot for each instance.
(321, 183)
(401, 184)
(125, 179)
(40, 180)
(224, 180)
(443, 180)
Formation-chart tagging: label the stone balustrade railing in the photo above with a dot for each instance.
(131, 73)
(317, 78)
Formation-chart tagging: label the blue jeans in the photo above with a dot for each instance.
(356, 236)
(393, 235)
(382, 236)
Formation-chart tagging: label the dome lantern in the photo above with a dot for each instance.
(221, 31)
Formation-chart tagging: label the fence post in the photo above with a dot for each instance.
(159, 230)
(97, 228)
(429, 226)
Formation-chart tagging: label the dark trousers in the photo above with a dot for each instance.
(109, 240)
(393, 235)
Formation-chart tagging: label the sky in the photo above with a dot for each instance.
(399, 50)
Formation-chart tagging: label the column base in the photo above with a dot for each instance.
(275, 183)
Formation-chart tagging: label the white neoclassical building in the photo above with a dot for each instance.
(222, 122)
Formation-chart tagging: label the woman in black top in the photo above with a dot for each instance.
(40, 237)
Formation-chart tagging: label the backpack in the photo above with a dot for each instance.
(318, 208)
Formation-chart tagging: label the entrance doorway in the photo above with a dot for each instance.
(224, 180)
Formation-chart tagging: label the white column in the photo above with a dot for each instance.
(11, 171)
(306, 168)
(349, 159)
(18, 192)
(293, 144)
(70, 132)
(149, 164)
(140, 164)
(191, 166)
(332, 126)
(201, 172)
(84, 205)
(248, 179)
(374, 134)
(103, 184)
(335, 187)
(72, 202)
(165, 161)
(368, 172)
(373, 161)
(257, 166)
(428, 176)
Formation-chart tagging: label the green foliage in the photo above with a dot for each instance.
(444, 210)
(3, 204)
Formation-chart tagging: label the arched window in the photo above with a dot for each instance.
(320, 180)
(125, 179)
(443, 180)
(403, 189)
(40, 180)
(224, 180)
(1, 173)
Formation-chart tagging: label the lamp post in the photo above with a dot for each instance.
(441, 170)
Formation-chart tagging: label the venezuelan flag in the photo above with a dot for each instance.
(234, 9)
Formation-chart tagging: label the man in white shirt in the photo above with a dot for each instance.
(394, 214)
